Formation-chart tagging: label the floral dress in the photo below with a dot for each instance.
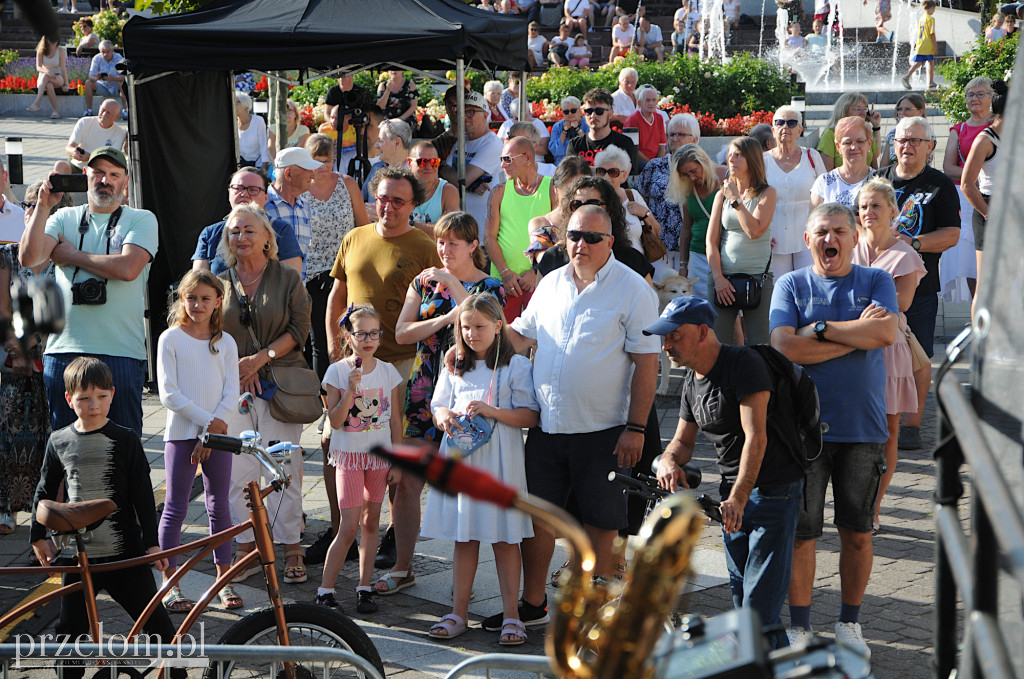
(435, 300)
(24, 418)
(329, 221)
(399, 102)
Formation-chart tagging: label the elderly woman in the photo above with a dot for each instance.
(52, 68)
(693, 184)
(397, 97)
(850, 104)
(958, 265)
(653, 182)
(853, 142)
(544, 137)
(266, 312)
(739, 240)
(441, 197)
(492, 93)
(791, 170)
(613, 164)
(297, 132)
(25, 427)
(393, 142)
(568, 128)
(252, 134)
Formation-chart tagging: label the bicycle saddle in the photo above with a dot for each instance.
(66, 517)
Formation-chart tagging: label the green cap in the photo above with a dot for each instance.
(112, 154)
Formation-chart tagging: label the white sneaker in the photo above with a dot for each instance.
(799, 636)
(849, 634)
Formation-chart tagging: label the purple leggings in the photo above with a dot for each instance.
(216, 481)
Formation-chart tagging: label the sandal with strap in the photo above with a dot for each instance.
(556, 574)
(448, 627)
(394, 582)
(295, 574)
(176, 602)
(514, 629)
(229, 598)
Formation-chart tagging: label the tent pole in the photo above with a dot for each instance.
(523, 104)
(135, 199)
(460, 140)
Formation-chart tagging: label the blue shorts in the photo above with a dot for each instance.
(855, 470)
(924, 57)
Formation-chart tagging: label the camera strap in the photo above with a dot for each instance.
(83, 228)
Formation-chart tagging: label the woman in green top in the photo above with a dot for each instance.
(850, 104)
(693, 184)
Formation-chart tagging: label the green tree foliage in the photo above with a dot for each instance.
(993, 60)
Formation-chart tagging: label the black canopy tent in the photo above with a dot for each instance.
(180, 75)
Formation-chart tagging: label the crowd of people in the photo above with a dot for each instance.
(425, 323)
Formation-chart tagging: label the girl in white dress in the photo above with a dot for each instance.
(493, 382)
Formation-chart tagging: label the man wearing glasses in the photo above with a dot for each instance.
(248, 185)
(931, 225)
(597, 111)
(594, 374)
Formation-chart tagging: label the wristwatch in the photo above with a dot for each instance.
(271, 353)
(735, 204)
(916, 244)
(819, 329)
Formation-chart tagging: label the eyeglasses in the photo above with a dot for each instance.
(397, 203)
(675, 135)
(596, 111)
(588, 237)
(368, 335)
(245, 311)
(789, 122)
(576, 204)
(912, 142)
(509, 159)
(612, 172)
(569, 111)
(426, 162)
(976, 95)
(470, 112)
(251, 190)
(25, 205)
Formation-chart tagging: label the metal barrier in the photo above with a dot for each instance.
(269, 655)
(971, 568)
(537, 664)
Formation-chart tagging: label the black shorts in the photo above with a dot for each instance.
(559, 463)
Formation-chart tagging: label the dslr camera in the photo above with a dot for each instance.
(90, 292)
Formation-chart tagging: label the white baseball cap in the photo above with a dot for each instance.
(296, 156)
(478, 100)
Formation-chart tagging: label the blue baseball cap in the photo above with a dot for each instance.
(683, 310)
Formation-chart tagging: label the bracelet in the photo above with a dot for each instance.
(635, 430)
(636, 425)
(505, 271)
(876, 129)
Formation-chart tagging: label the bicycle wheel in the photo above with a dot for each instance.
(308, 625)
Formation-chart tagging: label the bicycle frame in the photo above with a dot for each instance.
(264, 551)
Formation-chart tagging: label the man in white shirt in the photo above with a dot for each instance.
(650, 40)
(536, 45)
(12, 217)
(483, 153)
(92, 132)
(594, 376)
(624, 99)
(104, 77)
(623, 33)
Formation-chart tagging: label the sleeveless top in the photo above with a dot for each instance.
(966, 135)
(700, 214)
(740, 253)
(329, 221)
(53, 62)
(987, 176)
(514, 230)
(431, 211)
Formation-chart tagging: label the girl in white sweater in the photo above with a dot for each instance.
(197, 372)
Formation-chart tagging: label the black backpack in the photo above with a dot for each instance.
(794, 413)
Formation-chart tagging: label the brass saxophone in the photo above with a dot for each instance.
(593, 636)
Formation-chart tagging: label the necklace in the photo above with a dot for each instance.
(527, 189)
(258, 276)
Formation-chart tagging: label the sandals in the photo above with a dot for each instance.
(248, 572)
(6, 524)
(229, 598)
(556, 574)
(394, 582)
(514, 629)
(448, 627)
(176, 602)
(295, 574)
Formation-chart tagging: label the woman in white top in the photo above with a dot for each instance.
(791, 170)
(52, 67)
(853, 141)
(613, 164)
(252, 134)
(297, 132)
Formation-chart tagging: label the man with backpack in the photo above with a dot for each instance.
(834, 318)
(728, 393)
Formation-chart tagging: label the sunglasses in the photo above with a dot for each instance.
(245, 311)
(588, 237)
(369, 335)
(569, 111)
(425, 162)
(397, 203)
(596, 111)
(576, 204)
(779, 122)
(612, 172)
(25, 205)
(509, 159)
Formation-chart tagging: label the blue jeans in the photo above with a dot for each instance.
(126, 406)
(760, 555)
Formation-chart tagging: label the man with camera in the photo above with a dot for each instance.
(104, 77)
(102, 252)
(568, 128)
(92, 132)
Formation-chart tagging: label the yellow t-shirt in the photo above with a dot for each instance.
(925, 32)
(378, 271)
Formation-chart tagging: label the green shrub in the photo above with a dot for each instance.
(743, 85)
(106, 25)
(993, 60)
(7, 57)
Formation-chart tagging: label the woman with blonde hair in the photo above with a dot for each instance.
(850, 104)
(297, 132)
(52, 67)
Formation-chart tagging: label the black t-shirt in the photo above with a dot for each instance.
(713, 403)
(357, 97)
(586, 147)
(557, 256)
(936, 205)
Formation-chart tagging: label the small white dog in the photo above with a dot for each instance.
(668, 289)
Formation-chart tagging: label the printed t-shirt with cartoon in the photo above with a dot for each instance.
(368, 421)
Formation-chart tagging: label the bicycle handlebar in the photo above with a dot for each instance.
(237, 446)
(221, 442)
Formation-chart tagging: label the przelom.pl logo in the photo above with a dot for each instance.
(142, 651)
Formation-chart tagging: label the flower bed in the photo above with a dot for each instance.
(21, 77)
(12, 84)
